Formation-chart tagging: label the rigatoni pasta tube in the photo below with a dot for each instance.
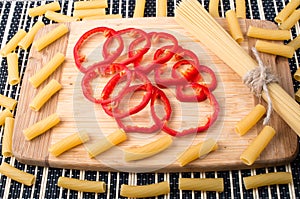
(267, 179)
(16, 174)
(41, 126)
(245, 124)
(57, 17)
(88, 13)
(28, 39)
(13, 69)
(287, 11)
(213, 8)
(41, 75)
(201, 184)
(13, 43)
(161, 8)
(82, 5)
(50, 37)
(139, 8)
(240, 9)
(82, 185)
(3, 115)
(195, 151)
(111, 16)
(295, 43)
(268, 34)
(7, 137)
(297, 75)
(40, 10)
(259, 143)
(234, 26)
(106, 143)
(68, 143)
(45, 94)
(142, 191)
(274, 49)
(297, 95)
(290, 21)
(150, 149)
(8, 102)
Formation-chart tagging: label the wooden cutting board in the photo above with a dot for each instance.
(78, 114)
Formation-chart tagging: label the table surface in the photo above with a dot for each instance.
(14, 15)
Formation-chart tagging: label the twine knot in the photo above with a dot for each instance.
(258, 79)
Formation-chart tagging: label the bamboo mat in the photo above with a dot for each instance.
(14, 15)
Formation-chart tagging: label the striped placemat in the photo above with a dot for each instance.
(14, 15)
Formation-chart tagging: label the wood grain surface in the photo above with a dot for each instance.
(77, 113)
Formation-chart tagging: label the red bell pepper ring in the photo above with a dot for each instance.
(141, 129)
(107, 32)
(210, 121)
(133, 32)
(189, 74)
(160, 95)
(105, 71)
(157, 94)
(113, 110)
(193, 73)
(154, 38)
(200, 92)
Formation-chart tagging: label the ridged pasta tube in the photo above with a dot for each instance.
(82, 5)
(259, 143)
(141, 191)
(89, 12)
(201, 184)
(161, 9)
(82, 185)
(213, 8)
(41, 126)
(267, 179)
(13, 69)
(58, 17)
(240, 9)
(13, 43)
(139, 8)
(28, 39)
(50, 37)
(7, 137)
(16, 174)
(196, 151)
(68, 143)
(245, 124)
(274, 49)
(234, 26)
(45, 94)
(8, 102)
(41, 75)
(3, 115)
(150, 149)
(106, 143)
(40, 10)
(268, 34)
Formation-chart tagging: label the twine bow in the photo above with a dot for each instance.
(258, 79)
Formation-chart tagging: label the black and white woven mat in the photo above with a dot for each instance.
(14, 15)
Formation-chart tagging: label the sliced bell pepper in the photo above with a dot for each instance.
(107, 32)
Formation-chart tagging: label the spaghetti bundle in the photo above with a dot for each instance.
(193, 16)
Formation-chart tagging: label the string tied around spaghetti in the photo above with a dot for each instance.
(258, 79)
